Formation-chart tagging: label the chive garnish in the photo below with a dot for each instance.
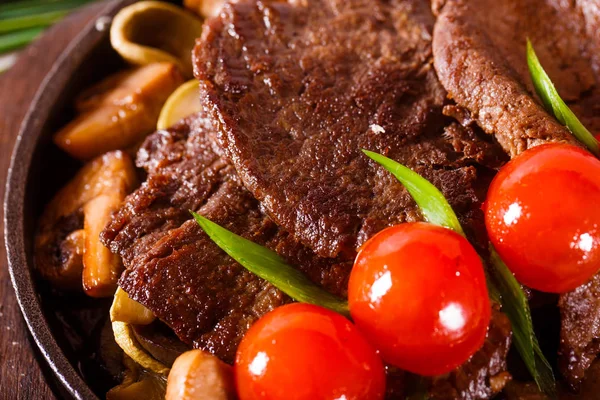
(515, 305)
(502, 284)
(269, 266)
(34, 7)
(430, 200)
(555, 104)
(31, 21)
(22, 21)
(15, 40)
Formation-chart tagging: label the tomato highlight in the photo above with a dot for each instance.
(418, 293)
(302, 351)
(543, 218)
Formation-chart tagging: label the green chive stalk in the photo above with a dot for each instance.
(16, 40)
(35, 7)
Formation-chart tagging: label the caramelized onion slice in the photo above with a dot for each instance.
(135, 36)
(184, 102)
(120, 111)
(199, 375)
(124, 309)
(126, 341)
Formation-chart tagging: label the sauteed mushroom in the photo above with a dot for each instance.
(120, 111)
(153, 31)
(198, 375)
(67, 244)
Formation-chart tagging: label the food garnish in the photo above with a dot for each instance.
(516, 307)
(134, 34)
(14, 40)
(183, 102)
(31, 21)
(119, 111)
(512, 297)
(271, 267)
(197, 374)
(302, 351)
(425, 286)
(431, 201)
(539, 219)
(22, 8)
(555, 104)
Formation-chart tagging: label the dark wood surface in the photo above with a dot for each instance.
(23, 373)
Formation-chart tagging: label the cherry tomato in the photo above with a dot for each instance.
(301, 351)
(418, 293)
(543, 217)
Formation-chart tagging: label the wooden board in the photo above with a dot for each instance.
(23, 373)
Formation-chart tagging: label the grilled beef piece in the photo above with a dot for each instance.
(480, 59)
(174, 269)
(299, 88)
(580, 330)
(201, 293)
(589, 390)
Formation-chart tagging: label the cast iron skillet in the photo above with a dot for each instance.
(59, 324)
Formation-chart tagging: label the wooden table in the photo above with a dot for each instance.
(23, 372)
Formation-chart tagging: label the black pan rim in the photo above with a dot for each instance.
(82, 46)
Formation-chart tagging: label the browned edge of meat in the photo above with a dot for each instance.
(299, 88)
(480, 59)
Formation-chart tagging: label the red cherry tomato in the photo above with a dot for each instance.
(301, 351)
(418, 293)
(543, 217)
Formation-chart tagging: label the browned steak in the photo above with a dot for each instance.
(580, 331)
(480, 58)
(300, 87)
(174, 269)
(203, 295)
